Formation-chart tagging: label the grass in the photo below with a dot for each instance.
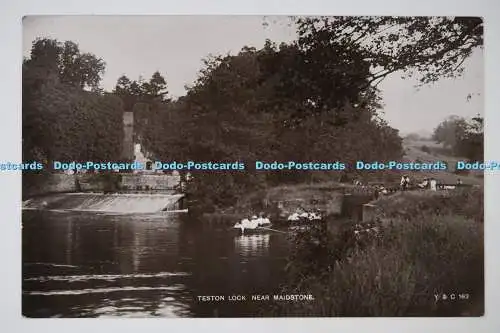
(467, 203)
(434, 249)
(435, 152)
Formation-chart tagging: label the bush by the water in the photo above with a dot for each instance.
(435, 250)
(425, 149)
(462, 202)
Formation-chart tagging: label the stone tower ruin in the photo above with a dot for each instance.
(128, 138)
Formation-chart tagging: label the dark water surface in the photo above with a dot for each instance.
(95, 265)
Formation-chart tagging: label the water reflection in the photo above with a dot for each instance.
(252, 245)
(94, 265)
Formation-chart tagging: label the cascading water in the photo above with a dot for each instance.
(108, 203)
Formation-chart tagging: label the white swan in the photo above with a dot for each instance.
(264, 221)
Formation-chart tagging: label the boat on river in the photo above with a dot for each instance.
(303, 218)
(253, 225)
(249, 231)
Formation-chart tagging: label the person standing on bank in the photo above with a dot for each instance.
(403, 183)
(433, 184)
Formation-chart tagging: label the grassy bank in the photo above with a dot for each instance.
(433, 246)
(429, 151)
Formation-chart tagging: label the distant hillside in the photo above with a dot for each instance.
(429, 151)
(420, 135)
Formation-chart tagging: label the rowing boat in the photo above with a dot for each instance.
(256, 224)
(245, 231)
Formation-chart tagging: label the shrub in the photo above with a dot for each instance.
(419, 256)
(425, 149)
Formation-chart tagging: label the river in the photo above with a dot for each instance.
(81, 264)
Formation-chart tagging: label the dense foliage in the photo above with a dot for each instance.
(432, 47)
(274, 104)
(432, 247)
(464, 137)
(310, 100)
(62, 119)
(314, 99)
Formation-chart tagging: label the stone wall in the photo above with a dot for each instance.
(95, 183)
(334, 205)
(352, 205)
(331, 203)
(149, 182)
(371, 212)
(39, 184)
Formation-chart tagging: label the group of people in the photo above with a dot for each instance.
(427, 183)
(405, 182)
(432, 184)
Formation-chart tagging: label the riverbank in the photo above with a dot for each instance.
(281, 201)
(431, 252)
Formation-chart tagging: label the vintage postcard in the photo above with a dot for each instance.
(252, 166)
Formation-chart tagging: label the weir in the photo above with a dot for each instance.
(125, 203)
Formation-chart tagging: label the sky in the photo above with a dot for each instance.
(175, 46)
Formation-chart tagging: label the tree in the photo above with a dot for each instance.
(131, 92)
(465, 138)
(61, 119)
(156, 88)
(271, 104)
(136, 88)
(309, 100)
(434, 47)
(122, 86)
(471, 143)
(51, 57)
(128, 91)
(450, 131)
(80, 69)
(146, 99)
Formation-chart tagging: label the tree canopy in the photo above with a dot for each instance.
(464, 137)
(141, 91)
(65, 61)
(276, 103)
(62, 120)
(450, 130)
(433, 47)
(313, 99)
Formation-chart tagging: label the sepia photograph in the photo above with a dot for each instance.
(252, 166)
